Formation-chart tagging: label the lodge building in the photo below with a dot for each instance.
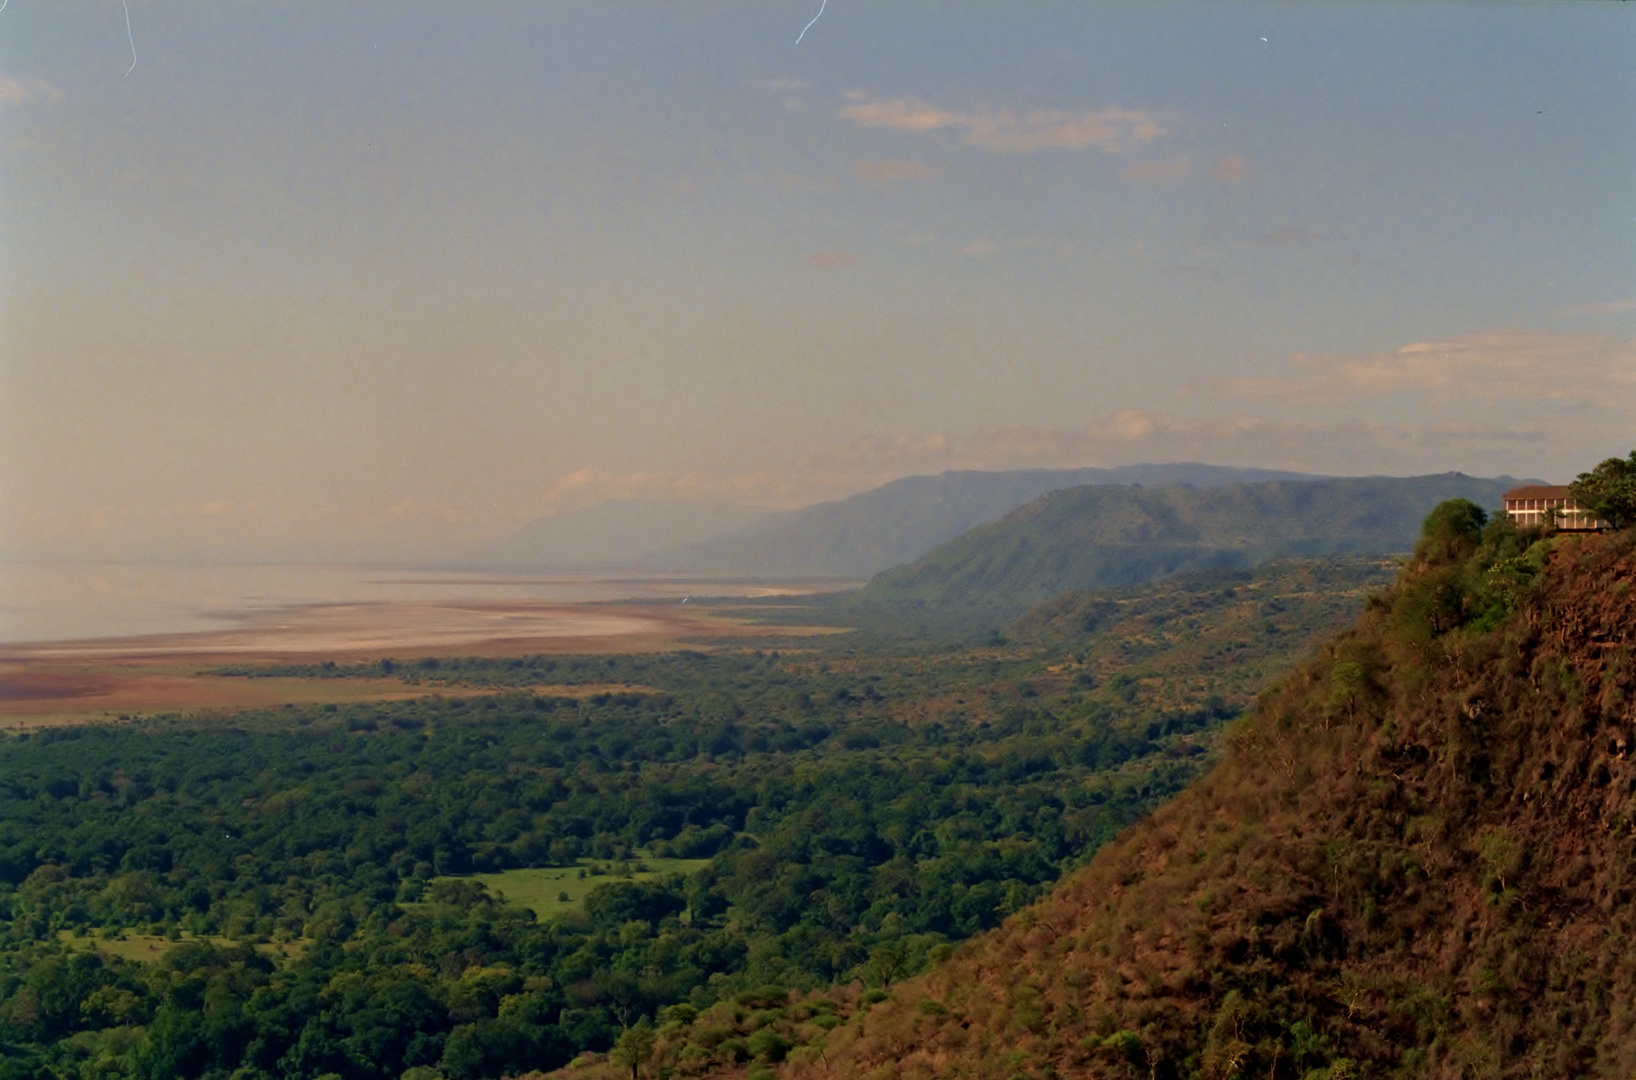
(1534, 506)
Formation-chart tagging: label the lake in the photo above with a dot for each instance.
(74, 601)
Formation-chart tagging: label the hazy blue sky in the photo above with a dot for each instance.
(396, 274)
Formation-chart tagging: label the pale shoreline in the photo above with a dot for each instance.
(58, 604)
(353, 630)
(88, 680)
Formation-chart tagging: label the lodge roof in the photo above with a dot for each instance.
(1539, 491)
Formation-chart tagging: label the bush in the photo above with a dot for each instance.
(1451, 531)
(770, 996)
(1125, 1045)
(630, 901)
(1609, 491)
(768, 1045)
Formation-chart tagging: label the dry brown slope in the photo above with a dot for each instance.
(1425, 872)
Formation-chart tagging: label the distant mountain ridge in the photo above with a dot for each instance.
(1107, 537)
(900, 521)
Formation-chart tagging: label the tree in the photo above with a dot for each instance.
(1451, 531)
(1609, 491)
(1347, 682)
(887, 963)
(635, 1047)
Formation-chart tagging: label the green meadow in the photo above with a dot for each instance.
(553, 891)
(146, 948)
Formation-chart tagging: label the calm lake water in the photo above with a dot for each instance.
(67, 601)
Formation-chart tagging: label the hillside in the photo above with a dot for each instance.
(1109, 537)
(613, 533)
(1225, 632)
(1415, 860)
(903, 520)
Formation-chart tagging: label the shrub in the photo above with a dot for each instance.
(1125, 1045)
(768, 1045)
(1609, 491)
(1451, 531)
(770, 996)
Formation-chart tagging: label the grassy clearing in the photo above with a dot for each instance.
(542, 889)
(146, 948)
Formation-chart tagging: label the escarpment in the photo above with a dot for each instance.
(1416, 859)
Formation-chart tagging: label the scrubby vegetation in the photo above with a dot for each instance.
(1415, 861)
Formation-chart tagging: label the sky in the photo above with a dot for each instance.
(380, 278)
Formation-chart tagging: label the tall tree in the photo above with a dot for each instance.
(1609, 491)
(635, 1047)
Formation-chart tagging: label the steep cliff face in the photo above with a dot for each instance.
(1417, 859)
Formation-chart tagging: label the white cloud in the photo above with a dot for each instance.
(1554, 437)
(1230, 169)
(787, 89)
(1611, 307)
(1010, 131)
(1533, 367)
(830, 260)
(883, 171)
(1130, 436)
(14, 91)
(583, 487)
(901, 114)
(1163, 171)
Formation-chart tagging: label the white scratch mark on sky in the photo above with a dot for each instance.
(128, 35)
(804, 29)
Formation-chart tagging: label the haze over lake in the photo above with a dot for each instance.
(69, 601)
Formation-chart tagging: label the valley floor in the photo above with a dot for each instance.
(115, 678)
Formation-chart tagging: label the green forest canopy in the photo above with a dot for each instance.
(307, 868)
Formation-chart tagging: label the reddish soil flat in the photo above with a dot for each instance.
(421, 628)
(83, 681)
(28, 686)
